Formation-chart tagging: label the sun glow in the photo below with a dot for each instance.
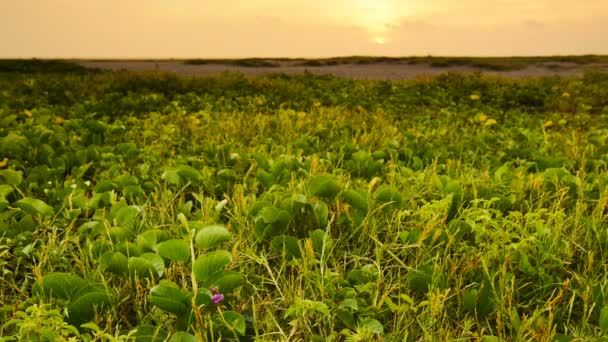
(380, 40)
(377, 17)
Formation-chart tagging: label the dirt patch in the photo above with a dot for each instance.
(377, 70)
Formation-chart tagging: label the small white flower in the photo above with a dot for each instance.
(73, 186)
(88, 183)
(220, 205)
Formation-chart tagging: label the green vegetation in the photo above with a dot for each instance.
(244, 62)
(484, 63)
(147, 207)
(41, 66)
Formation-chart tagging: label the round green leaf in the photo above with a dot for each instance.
(116, 263)
(60, 285)
(176, 250)
(388, 194)
(203, 297)
(227, 281)
(469, 300)
(156, 261)
(169, 298)
(208, 264)
(321, 241)
(372, 325)
(181, 336)
(356, 198)
(171, 176)
(211, 235)
(125, 216)
(150, 238)
(321, 212)
(83, 308)
(604, 319)
(148, 265)
(287, 244)
(188, 173)
(11, 177)
(147, 333)
(34, 207)
(324, 186)
(231, 323)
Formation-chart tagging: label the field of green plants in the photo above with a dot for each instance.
(148, 207)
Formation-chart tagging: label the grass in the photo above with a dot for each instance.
(456, 208)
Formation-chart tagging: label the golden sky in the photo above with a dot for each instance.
(300, 28)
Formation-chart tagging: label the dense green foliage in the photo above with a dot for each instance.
(151, 207)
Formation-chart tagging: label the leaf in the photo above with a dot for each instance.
(120, 234)
(182, 336)
(189, 174)
(83, 308)
(230, 323)
(321, 242)
(489, 338)
(372, 325)
(125, 217)
(469, 300)
(169, 298)
(156, 261)
(347, 317)
(421, 278)
(227, 281)
(227, 174)
(203, 297)
(5, 190)
(148, 265)
(287, 244)
(103, 186)
(176, 250)
(321, 212)
(388, 194)
(324, 186)
(150, 238)
(60, 285)
(604, 319)
(210, 236)
(208, 264)
(147, 333)
(272, 215)
(11, 177)
(34, 207)
(116, 263)
(349, 303)
(357, 199)
(171, 176)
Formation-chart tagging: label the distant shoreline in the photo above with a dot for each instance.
(357, 67)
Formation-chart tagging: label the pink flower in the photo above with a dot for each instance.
(217, 298)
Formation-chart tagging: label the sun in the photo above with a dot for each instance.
(380, 40)
(377, 16)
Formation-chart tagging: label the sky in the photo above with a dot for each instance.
(300, 28)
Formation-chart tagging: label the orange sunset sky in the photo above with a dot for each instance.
(298, 28)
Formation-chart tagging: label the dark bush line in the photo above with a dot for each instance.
(42, 66)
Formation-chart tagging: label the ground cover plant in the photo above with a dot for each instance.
(147, 207)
